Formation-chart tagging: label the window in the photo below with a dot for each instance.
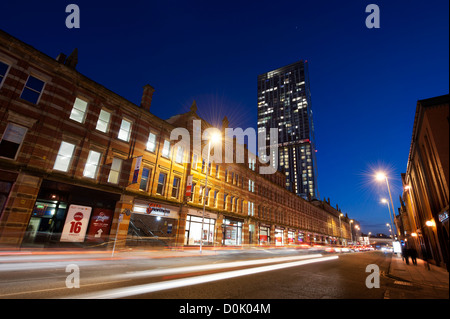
(251, 207)
(215, 198)
(251, 186)
(144, 179)
(151, 142)
(11, 140)
(217, 171)
(114, 173)
(161, 184)
(194, 161)
(251, 163)
(175, 187)
(225, 201)
(166, 149)
(64, 156)
(207, 196)
(3, 70)
(103, 121)
(179, 158)
(78, 110)
(91, 167)
(125, 130)
(32, 90)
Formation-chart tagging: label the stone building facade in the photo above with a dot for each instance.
(81, 166)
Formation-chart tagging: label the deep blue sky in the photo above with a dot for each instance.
(365, 83)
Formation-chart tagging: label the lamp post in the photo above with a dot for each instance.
(385, 201)
(340, 226)
(381, 176)
(213, 138)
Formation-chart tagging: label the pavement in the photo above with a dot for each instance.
(417, 281)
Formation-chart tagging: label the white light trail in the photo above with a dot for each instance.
(181, 270)
(159, 286)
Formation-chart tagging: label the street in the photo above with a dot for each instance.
(230, 274)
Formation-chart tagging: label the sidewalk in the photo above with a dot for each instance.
(433, 282)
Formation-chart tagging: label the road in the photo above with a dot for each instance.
(241, 275)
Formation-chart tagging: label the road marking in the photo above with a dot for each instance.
(153, 287)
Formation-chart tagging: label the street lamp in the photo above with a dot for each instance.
(380, 176)
(385, 201)
(213, 138)
(340, 227)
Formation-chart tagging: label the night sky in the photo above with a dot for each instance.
(365, 83)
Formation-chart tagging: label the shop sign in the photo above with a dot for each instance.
(100, 224)
(137, 168)
(76, 224)
(189, 186)
(149, 208)
(157, 209)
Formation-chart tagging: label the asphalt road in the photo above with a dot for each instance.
(263, 275)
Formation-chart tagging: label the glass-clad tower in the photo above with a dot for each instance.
(284, 102)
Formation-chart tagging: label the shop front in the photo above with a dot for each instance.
(70, 216)
(291, 237)
(279, 236)
(152, 224)
(264, 234)
(199, 228)
(232, 231)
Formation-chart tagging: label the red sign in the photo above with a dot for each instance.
(100, 225)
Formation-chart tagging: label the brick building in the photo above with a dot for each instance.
(423, 215)
(74, 157)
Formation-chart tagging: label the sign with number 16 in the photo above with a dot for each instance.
(75, 227)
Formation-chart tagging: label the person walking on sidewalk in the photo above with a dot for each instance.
(405, 255)
(413, 253)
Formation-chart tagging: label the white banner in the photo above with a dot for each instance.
(76, 224)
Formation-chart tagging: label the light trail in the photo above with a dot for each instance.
(178, 283)
(235, 264)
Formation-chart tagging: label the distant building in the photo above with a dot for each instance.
(425, 200)
(284, 103)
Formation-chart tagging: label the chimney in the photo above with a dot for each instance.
(147, 97)
(61, 58)
(72, 60)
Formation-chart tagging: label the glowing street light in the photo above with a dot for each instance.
(380, 176)
(213, 138)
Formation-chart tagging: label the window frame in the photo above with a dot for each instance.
(70, 158)
(125, 119)
(163, 184)
(108, 124)
(97, 166)
(84, 112)
(8, 68)
(21, 142)
(26, 87)
(117, 171)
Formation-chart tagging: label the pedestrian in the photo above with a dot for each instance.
(413, 253)
(425, 259)
(405, 255)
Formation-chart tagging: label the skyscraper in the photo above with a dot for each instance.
(284, 102)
